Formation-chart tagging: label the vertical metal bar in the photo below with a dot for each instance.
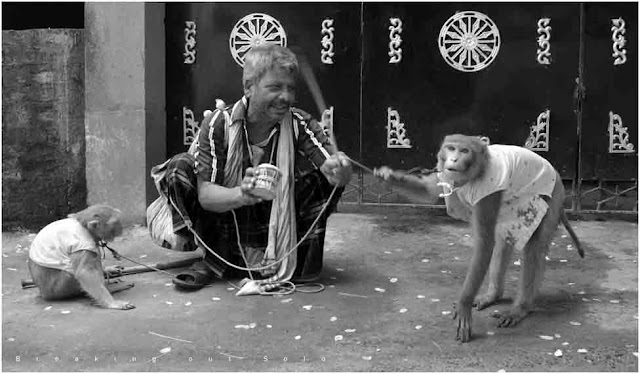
(360, 125)
(577, 204)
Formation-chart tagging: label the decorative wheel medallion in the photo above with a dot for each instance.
(469, 41)
(255, 29)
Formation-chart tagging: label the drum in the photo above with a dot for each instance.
(267, 178)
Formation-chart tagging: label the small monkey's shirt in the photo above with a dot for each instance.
(524, 177)
(55, 243)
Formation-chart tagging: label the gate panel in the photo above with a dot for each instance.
(201, 68)
(505, 99)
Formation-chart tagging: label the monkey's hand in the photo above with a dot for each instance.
(384, 172)
(119, 304)
(462, 314)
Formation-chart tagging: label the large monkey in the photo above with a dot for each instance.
(64, 258)
(514, 200)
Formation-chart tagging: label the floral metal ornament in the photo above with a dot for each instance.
(326, 54)
(538, 139)
(396, 133)
(190, 42)
(618, 136)
(395, 52)
(189, 125)
(544, 30)
(469, 41)
(617, 36)
(255, 29)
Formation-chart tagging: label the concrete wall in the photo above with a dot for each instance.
(43, 164)
(124, 98)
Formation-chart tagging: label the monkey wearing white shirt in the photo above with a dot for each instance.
(65, 261)
(513, 199)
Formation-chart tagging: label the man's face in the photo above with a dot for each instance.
(271, 97)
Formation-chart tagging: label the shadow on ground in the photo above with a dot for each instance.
(390, 279)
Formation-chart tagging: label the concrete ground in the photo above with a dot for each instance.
(391, 277)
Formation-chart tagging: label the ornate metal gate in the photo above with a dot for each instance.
(559, 78)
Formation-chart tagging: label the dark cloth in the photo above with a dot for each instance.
(217, 230)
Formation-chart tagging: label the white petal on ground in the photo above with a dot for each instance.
(418, 327)
(253, 325)
(379, 289)
(350, 330)
(575, 323)
(582, 350)
(48, 308)
(435, 300)
(169, 302)
(215, 299)
(167, 284)
(581, 292)
(333, 319)
(339, 269)
(285, 300)
(403, 310)
(557, 336)
(338, 338)
(547, 258)
(565, 343)
(230, 289)
(446, 312)
(558, 353)
(393, 280)
(367, 358)
(614, 301)
(269, 326)
(298, 337)
(517, 263)
(246, 327)
(387, 252)
(563, 260)
(65, 312)
(420, 296)
(165, 350)
(490, 333)
(307, 307)
(188, 303)
(11, 339)
(425, 260)
(546, 337)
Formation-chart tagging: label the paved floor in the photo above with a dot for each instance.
(587, 318)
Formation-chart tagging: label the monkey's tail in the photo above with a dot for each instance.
(565, 222)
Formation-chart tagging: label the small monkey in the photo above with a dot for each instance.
(514, 201)
(65, 261)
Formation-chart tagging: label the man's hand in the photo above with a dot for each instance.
(246, 189)
(462, 314)
(337, 169)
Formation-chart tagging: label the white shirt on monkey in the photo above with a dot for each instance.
(523, 176)
(55, 243)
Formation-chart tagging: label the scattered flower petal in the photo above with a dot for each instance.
(435, 300)
(339, 269)
(367, 358)
(553, 243)
(167, 284)
(635, 354)
(575, 323)
(350, 330)
(557, 336)
(298, 337)
(12, 269)
(269, 326)
(570, 284)
(451, 243)
(333, 319)
(418, 327)
(456, 258)
(387, 252)
(547, 258)
(546, 337)
(165, 350)
(558, 353)
(403, 310)
(563, 260)
(230, 289)
(48, 308)
(446, 312)
(253, 325)
(379, 289)
(614, 301)
(169, 302)
(582, 350)
(565, 343)
(581, 292)
(585, 299)
(491, 333)
(187, 303)
(596, 299)
(425, 260)
(563, 236)
(65, 312)
(246, 327)
(143, 256)
(517, 263)
(285, 300)
(307, 307)
(393, 280)
(215, 299)
(333, 278)
(420, 296)
(11, 339)
(338, 338)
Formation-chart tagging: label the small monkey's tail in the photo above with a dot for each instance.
(565, 222)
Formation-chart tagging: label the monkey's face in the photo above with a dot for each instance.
(461, 159)
(109, 230)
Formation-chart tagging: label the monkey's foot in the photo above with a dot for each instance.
(511, 318)
(486, 301)
(118, 286)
